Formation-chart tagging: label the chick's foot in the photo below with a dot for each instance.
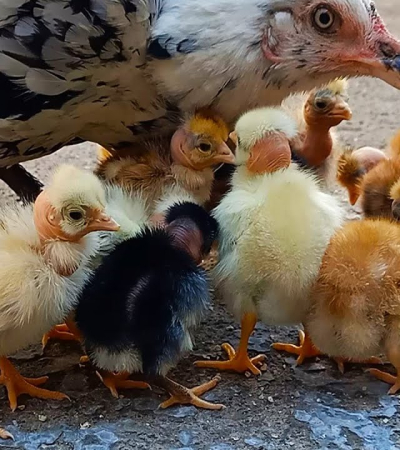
(237, 362)
(180, 395)
(387, 378)
(115, 381)
(4, 434)
(306, 349)
(60, 332)
(342, 361)
(16, 385)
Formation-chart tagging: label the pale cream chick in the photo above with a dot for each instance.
(45, 250)
(275, 225)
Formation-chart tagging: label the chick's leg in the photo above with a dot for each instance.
(16, 385)
(306, 349)
(238, 361)
(393, 355)
(115, 381)
(180, 395)
(67, 331)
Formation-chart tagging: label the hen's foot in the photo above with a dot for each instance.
(237, 362)
(180, 395)
(16, 385)
(115, 381)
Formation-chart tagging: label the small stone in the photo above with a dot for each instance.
(270, 399)
(247, 374)
(85, 426)
(385, 420)
(101, 416)
(275, 436)
(230, 328)
(315, 367)
(364, 388)
(216, 348)
(264, 368)
(254, 442)
(267, 376)
(21, 407)
(185, 438)
(297, 394)
(318, 400)
(42, 418)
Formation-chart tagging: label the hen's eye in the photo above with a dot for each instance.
(324, 19)
(75, 215)
(204, 147)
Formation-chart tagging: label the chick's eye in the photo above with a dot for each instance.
(205, 147)
(321, 104)
(75, 215)
(324, 19)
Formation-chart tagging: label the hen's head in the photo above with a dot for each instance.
(317, 39)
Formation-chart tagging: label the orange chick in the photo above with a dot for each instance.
(352, 167)
(178, 166)
(355, 303)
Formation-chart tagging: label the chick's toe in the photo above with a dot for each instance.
(115, 381)
(306, 349)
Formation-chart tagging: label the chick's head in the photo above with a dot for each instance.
(328, 106)
(201, 142)
(262, 137)
(71, 206)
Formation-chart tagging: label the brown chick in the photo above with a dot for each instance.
(315, 145)
(159, 164)
(353, 166)
(355, 302)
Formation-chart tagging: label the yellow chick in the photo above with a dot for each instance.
(45, 251)
(275, 224)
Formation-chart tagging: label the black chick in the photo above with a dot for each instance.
(147, 296)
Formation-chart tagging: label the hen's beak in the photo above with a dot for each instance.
(382, 60)
(102, 222)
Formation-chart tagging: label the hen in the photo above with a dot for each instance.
(110, 71)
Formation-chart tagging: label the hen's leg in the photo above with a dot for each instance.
(238, 361)
(16, 385)
(115, 381)
(180, 395)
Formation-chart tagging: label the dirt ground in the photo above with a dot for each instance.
(310, 407)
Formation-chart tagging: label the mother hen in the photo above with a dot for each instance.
(110, 70)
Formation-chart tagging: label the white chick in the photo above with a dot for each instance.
(275, 225)
(45, 250)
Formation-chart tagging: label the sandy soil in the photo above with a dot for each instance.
(310, 407)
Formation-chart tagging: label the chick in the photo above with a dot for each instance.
(315, 145)
(275, 224)
(130, 211)
(182, 162)
(353, 165)
(45, 250)
(147, 295)
(356, 300)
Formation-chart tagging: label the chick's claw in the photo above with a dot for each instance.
(16, 385)
(181, 395)
(4, 434)
(120, 381)
(306, 349)
(237, 362)
(59, 332)
(387, 378)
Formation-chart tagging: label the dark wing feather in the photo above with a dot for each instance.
(62, 62)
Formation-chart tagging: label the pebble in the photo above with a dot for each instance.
(264, 368)
(270, 399)
(85, 426)
(185, 438)
(21, 407)
(42, 418)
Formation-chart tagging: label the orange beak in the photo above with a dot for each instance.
(341, 111)
(353, 196)
(100, 221)
(269, 154)
(234, 137)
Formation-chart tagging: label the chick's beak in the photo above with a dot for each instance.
(341, 111)
(224, 155)
(396, 209)
(234, 138)
(100, 221)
